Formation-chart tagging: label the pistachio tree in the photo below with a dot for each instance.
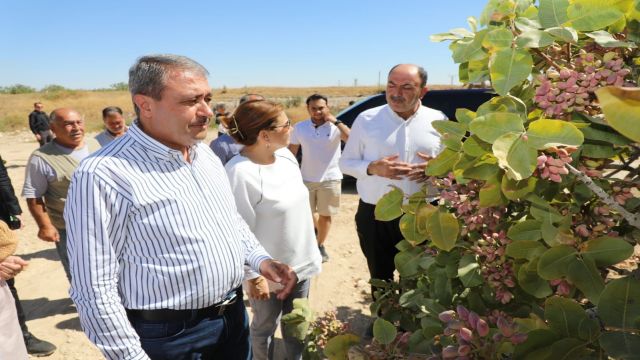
(529, 253)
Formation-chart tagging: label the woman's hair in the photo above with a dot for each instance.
(251, 117)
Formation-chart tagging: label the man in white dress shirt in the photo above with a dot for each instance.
(320, 136)
(390, 145)
(156, 245)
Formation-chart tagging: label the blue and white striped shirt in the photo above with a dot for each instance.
(147, 230)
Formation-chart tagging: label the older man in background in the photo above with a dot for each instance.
(48, 175)
(114, 125)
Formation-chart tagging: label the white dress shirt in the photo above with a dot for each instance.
(320, 150)
(380, 132)
(147, 230)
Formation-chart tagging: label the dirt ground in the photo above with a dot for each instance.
(51, 315)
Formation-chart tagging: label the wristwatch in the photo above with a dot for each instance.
(338, 122)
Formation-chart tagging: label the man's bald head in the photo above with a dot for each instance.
(68, 125)
(412, 69)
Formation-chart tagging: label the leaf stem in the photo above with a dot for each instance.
(546, 57)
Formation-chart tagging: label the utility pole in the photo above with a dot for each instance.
(379, 72)
(355, 82)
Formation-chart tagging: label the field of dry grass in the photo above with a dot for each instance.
(14, 109)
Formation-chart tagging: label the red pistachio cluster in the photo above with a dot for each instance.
(497, 269)
(563, 91)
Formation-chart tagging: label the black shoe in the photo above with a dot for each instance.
(323, 252)
(37, 347)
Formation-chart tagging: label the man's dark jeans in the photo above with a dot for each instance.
(214, 337)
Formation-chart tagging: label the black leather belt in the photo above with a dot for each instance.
(214, 310)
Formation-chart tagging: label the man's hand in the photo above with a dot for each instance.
(11, 266)
(389, 168)
(257, 288)
(49, 233)
(329, 117)
(38, 137)
(417, 170)
(279, 273)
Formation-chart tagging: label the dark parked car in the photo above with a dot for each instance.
(446, 101)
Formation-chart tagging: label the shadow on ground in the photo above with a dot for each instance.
(357, 320)
(70, 324)
(43, 307)
(47, 254)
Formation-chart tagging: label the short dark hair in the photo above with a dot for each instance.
(111, 109)
(422, 73)
(315, 97)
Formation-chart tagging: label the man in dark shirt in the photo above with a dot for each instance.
(39, 124)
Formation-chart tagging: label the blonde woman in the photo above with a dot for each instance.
(272, 199)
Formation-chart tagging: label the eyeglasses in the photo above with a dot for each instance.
(284, 126)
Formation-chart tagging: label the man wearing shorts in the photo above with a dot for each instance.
(320, 137)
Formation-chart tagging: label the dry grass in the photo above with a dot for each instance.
(14, 109)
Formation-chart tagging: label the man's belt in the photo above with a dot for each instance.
(214, 310)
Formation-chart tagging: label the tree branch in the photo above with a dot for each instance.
(634, 220)
(547, 59)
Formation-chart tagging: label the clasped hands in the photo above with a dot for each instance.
(283, 274)
(390, 168)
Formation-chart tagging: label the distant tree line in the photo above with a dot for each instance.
(53, 88)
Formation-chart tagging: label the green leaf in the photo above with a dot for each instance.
(621, 107)
(409, 229)
(620, 304)
(526, 24)
(567, 349)
(443, 163)
(606, 251)
(531, 283)
(408, 262)
(481, 171)
(463, 71)
(414, 202)
(478, 70)
(491, 126)
(337, 348)
(598, 151)
(383, 331)
(534, 39)
(389, 207)
(515, 155)
(584, 274)
(564, 316)
(423, 214)
(469, 271)
(498, 39)
(503, 104)
(475, 147)
(597, 134)
(541, 210)
(620, 345)
(444, 37)
(605, 39)
(508, 68)
(527, 230)
(297, 322)
(566, 34)
(464, 116)
(590, 15)
(444, 229)
(525, 249)
(536, 339)
(469, 49)
(491, 194)
(553, 12)
(553, 264)
(515, 190)
(455, 129)
(545, 133)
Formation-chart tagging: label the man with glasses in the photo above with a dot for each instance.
(48, 175)
(39, 124)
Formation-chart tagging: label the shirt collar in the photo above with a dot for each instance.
(398, 118)
(154, 147)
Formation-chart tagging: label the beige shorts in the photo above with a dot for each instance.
(325, 196)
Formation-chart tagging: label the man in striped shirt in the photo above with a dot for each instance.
(156, 245)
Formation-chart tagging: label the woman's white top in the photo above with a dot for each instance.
(274, 201)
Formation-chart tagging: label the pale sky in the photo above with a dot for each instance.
(91, 44)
